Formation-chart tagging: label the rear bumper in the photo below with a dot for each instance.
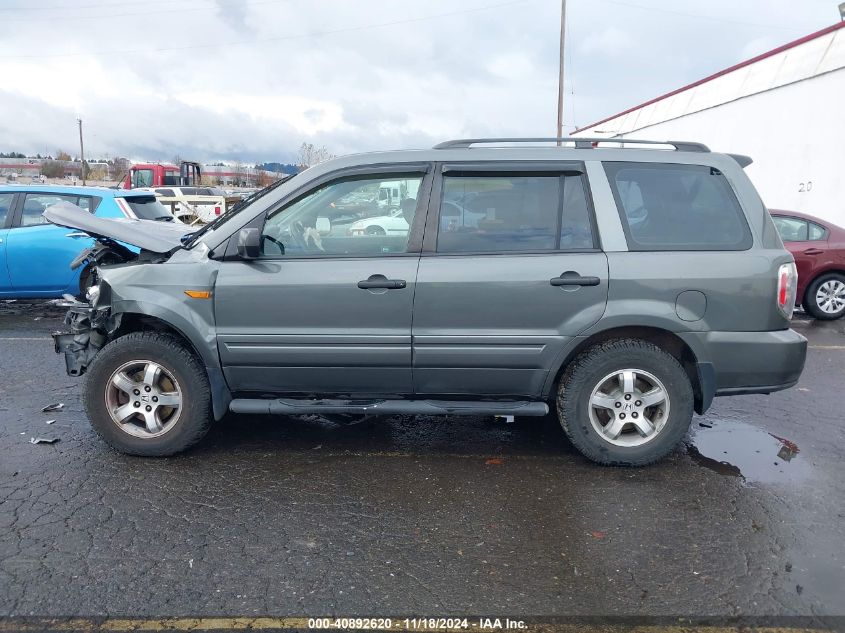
(734, 363)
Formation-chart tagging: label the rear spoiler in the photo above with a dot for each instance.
(744, 161)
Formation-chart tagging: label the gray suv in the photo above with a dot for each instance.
(621, 286)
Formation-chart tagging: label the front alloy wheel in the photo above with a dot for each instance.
(143, 398)
(147, 393)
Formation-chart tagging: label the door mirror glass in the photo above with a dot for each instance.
(249, 244)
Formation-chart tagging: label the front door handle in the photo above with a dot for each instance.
(813, 251)
(571, 278)
(76, 234)
(380, 281)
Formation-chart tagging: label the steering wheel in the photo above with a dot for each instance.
(297, 233)
(275, 241)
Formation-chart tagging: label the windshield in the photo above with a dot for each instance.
(148, 208)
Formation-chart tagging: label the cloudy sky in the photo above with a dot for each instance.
(252, 79)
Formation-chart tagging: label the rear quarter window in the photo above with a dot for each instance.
(669, 207)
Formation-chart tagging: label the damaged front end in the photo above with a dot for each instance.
(91, 325)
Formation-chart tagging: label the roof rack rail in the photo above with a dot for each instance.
(580, 143)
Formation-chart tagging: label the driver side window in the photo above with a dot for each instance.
(355, 217)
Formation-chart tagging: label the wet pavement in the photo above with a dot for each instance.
(426, 516)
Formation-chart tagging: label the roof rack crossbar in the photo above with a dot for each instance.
(580, 143)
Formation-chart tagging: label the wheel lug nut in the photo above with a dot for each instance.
(149, 408)
(627, 396)
(635, 414)
(147, 389)
(618, 404)
(621, 416)
(137, 404)
(136, 392)
(155, 398)
(638, 403)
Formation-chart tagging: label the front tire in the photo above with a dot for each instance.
(625, 402)
(147, 394)
(825, 298)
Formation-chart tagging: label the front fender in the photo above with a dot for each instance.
(198, 332)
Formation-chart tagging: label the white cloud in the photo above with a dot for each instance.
(253, 81)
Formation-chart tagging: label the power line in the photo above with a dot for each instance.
(283, 38)
(698, 16)
(74, 7)
(150, 14)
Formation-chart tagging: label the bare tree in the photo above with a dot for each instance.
(118, 168)
(310, 155)
(62, 155)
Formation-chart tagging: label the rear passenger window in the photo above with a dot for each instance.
(35, 204)
(668, 207)
(510, 213)
(791, 229)
(816, 232)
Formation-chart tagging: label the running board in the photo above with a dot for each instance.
(292, 406)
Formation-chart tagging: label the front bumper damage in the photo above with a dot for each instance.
(90, 329)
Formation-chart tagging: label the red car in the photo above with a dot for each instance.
(819, 250)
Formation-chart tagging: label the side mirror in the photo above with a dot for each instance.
(249, 244)
(323, 226)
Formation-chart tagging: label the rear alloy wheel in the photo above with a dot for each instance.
(375, 230)
(629, 407)
(147, 394)
(825, 298)
(625, 402)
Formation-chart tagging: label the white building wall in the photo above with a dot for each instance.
(785, 109)
(795, 134)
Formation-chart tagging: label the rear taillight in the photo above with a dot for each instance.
(216, 210)
(787, 285)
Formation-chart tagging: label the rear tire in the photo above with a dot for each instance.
(147, 394)
(825, 297)
(625, 402)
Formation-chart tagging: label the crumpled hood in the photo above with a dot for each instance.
(150, 235)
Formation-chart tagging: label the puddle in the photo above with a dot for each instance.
(737, 449)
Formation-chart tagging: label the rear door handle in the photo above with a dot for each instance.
(571, 278)
(380, 281)
(813, 251)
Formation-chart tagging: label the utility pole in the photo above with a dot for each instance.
(560, 76)
(81, 153)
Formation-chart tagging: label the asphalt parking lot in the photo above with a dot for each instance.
(418, 516)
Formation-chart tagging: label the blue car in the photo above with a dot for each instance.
(35, 255)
